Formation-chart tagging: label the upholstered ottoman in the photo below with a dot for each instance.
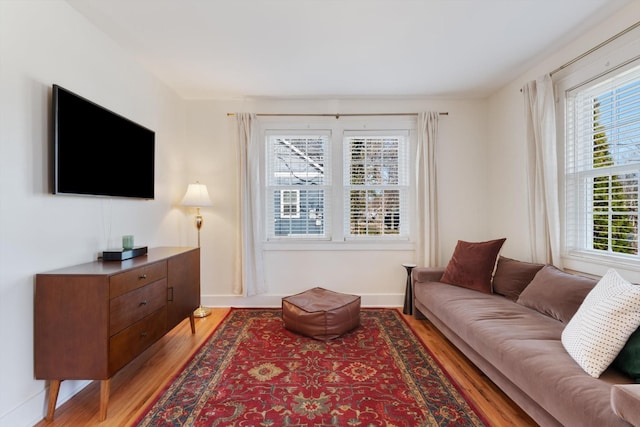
(320, 313)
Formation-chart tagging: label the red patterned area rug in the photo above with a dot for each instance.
(253, 372)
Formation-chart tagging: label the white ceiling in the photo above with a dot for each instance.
(207, 49)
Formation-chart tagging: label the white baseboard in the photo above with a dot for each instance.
(271, 300)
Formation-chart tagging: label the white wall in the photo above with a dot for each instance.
(377, 275)
(509, 211)
(41, 43)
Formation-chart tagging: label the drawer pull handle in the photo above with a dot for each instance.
(143, 303)
(143, 335)
(142, 276)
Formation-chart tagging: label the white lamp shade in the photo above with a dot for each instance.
(197, 196)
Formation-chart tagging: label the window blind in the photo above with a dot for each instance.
(298, 178)
(376, 184)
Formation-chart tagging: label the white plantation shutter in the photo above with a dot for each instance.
(603, 166)
(376, 184)
(298, 183)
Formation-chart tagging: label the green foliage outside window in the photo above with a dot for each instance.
(615, 199)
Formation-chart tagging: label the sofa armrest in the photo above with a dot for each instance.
(625, 401)
(427, 274)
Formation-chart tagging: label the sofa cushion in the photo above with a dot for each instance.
(556, 293)
(472, 264)
(603, 323)
(628, 360)
(512, 276)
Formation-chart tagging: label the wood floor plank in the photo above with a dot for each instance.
(136, 385)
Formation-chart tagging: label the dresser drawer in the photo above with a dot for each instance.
(129, 280)
(130, 307)
(130, 342)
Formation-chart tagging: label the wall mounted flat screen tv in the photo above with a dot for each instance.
(98, 152)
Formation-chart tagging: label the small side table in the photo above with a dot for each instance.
(408, 293)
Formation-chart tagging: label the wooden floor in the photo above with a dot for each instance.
(135, 386)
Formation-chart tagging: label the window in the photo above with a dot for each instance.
(337, 184)
(290, 204)
(297, 182)
(603, 166)
(375, 184)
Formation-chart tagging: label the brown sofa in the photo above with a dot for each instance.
(514, 336)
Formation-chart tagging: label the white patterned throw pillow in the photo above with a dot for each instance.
(602, 325)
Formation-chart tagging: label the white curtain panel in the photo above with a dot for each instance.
(250, 266)
(428, 249)
(542, 171)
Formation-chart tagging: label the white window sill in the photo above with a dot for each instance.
(597, 265)
(298, 245)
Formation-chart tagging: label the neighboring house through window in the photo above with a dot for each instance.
(297, 183)
(290, 204)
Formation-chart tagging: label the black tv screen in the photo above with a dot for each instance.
(98, 152)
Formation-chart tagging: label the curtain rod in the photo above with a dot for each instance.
(593, 49)
(337, 115)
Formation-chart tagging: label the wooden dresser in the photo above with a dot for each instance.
(92, 319)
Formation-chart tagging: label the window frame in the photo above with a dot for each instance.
(402, 186)
(616, 58)
(336, 239)
(269, 189)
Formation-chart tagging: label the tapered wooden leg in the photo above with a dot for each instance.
(192, 320)
(105, 386)
(54, 388)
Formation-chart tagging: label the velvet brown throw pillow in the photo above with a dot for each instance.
(472, 264)
(512, 276)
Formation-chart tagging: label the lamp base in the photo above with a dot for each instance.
(202, 312)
